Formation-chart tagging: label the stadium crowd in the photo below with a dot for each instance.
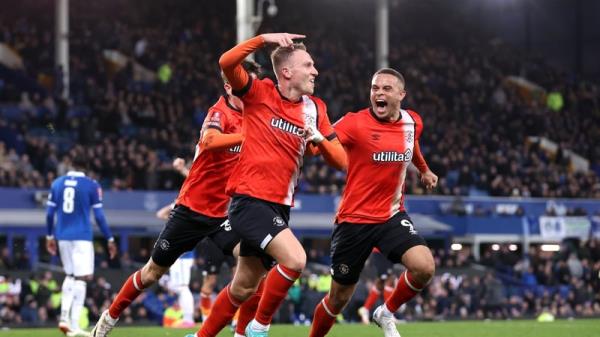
(478, 122)
(565, 284)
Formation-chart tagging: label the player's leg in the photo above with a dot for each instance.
(330, 307)
(420, 268)
(291, 259)
(401, 243)
(263, 227)
(66, 249)
(82, 256)
(249, 272)
(213, 259)
(179, 280)
(374, 293)
(383, 268)
(182, 232)
(351, 245)
(247, 310)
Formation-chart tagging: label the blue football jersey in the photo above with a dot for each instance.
(73, 195)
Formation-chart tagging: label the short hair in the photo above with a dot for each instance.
(393, 72)
(79, 161)
(282, 54)
(250, 66)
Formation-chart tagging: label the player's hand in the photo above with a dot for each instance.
(51, 246)
(429, 179)
(112, 249)
(179, 164)
(282, 39)
(312, 134)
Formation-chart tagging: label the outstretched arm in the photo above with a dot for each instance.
(332, 150)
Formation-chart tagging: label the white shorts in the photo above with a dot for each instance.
(77, 257)
(180, 273)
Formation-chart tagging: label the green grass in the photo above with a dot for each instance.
(562, 328)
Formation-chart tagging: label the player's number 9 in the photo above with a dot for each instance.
(68, 200)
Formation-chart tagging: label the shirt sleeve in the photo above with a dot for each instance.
(96, 195)
(52, 196)
(215, 120)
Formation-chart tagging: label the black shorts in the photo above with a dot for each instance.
(257, 222)
(351, 245)
(214, 256)
(182, 232)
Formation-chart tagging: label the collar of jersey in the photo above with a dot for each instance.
(226, 97)
(385, 120)
(76, 174)
(285, 98)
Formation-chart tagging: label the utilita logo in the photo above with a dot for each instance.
(393, 156)
(286, 126)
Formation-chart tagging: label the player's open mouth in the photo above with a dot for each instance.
(381, 103)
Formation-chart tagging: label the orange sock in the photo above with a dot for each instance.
(406, 289)
(279, 280)
(205, 304)
(371, 298)
(223, 310)
(323, 319)
(130, 290)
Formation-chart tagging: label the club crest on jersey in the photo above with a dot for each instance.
(410, 136)
(393, 156)
(282, 124)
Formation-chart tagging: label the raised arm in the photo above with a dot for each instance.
(231, 61)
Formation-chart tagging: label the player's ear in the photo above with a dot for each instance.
(227, 88)
(286, 72)
(402, 94)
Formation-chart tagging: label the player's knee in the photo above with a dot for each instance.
(151, 273)
(423, 272)
(241, 292)
(296, 261)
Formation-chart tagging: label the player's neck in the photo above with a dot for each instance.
(393, 116)
(288, 92)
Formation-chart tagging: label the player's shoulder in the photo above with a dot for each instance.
(223, 106)
(321, 106)
(415, 115)
(57, 181)
(89, 181)
(266, 81)
(355, 115)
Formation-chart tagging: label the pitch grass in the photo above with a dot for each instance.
(561, 328)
